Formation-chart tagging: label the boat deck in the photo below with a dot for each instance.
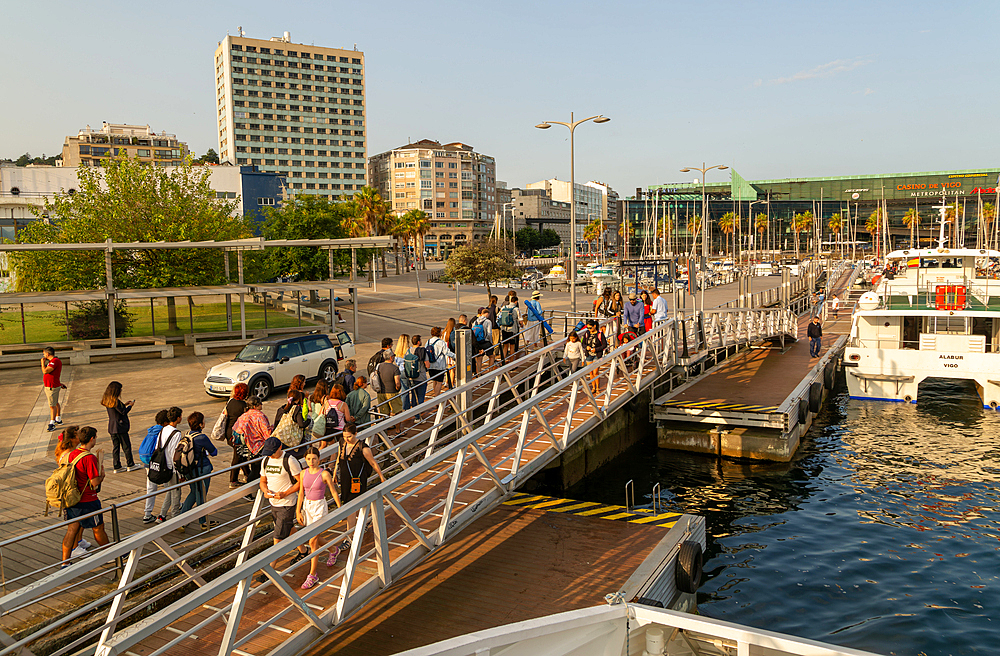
(516, 563)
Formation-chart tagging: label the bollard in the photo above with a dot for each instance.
(465, 366)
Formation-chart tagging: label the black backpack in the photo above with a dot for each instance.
(375, 361)
(159, 471)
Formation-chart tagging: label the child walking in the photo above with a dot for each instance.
(118, 427)
(313, 484)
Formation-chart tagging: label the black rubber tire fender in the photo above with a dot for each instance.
(688, 570)
(830, 374)
(803, 410)
(815, 397)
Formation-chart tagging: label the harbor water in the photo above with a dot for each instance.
(882, 534)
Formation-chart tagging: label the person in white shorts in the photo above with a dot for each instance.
(312, 507)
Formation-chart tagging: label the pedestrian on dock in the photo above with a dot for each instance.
(250, 432)
(387, 395)
(835, 306)
(415, 370)
(235, 407)
(482, 334)
(594, 345)
(647, 309)
(169, 437)
(146, 450)
(573, 353)
(359, 401)
(51, 371)
(354, 466)
(632, 315)
(815, 333)
(203, 448)
(279, 481)
(438, 355)
(659, 306)
(491, 312)
(89, 476)
(510, 322)
(118, 428)
(312, 507)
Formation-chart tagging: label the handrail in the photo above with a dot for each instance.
(467, 440)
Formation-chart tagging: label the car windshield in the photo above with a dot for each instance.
(255, 353)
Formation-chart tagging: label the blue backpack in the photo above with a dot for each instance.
(479, 330)
(149, 442)
(431, 353)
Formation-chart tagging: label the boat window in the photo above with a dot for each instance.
(949, 325)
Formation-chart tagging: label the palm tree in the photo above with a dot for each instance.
(374, 213)
(874, 225)
(911, 220)
(694, 229)
(401, 231)
(800, 223)
(989, 215)
(761, 224)
(954, 215)
(420, 225)
(593, 231)
(836, 224)
(727, 224)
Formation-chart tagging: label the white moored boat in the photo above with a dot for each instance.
(934, 314)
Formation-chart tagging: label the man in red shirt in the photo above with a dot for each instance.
(51, 370)
(89, 476)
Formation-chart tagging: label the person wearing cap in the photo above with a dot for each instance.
(533, 319)
(632, 315)
(279, 482)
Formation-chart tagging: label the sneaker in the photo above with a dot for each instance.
(299, 556)
(250, 497)
(209, 525)
(78, 552)
(310, 581)
(180, 529)
(83, 544)
(259, 578)
(331, 558)
(342, 321)
(233, 486)
(148, 519)
(58, 422)
(119, 470)
(52, 426)
(160, 519)
(135, 467)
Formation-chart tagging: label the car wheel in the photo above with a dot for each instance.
(328, 372)
(261, 388)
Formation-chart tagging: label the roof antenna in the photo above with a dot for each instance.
(240, 30)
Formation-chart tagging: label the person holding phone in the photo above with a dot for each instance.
(51, 370)
(118, 427)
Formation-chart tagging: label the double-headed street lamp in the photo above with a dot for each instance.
(704, 221)
(572, 195)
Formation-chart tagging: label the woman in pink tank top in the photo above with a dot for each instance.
(313, 484)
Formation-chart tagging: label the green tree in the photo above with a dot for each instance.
(483, 262)
(761, 224)
(127, 202)
(210, 157)
(23, 160)
(549, 238)
(592, 232)
(305, 216)
(374, 214)
(727, 224)
(873, 225)
(801, 222)
(527, 240)
(836, 225)
(911, 220)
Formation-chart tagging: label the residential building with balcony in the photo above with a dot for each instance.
(90, 146)
(295, 110)
(453, 183)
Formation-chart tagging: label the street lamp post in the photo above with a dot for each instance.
(572, 194)
(704, 220)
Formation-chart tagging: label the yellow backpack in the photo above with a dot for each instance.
(61, 490)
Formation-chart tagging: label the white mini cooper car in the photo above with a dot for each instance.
(271, 362)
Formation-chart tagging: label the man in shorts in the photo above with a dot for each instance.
(51, 370)
(279, 481)
(89, 476)
(389, 401)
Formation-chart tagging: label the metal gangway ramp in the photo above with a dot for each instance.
(474, 447)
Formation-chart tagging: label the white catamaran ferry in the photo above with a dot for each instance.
(934, 314)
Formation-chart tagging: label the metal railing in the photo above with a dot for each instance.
(457, 456)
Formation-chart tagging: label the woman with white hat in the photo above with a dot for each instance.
(533, 318)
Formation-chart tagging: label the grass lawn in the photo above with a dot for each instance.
(46, 325)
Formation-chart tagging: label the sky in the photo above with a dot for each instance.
(773, 89)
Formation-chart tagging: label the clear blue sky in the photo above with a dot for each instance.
(779, 89)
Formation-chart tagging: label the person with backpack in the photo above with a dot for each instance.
(491, 314)
(279, 482)
(594, 345)
(399, 359)
(316, 407)
(67, 442)
(203, 448)
(293, 432)
(379, 356)
(354, 466)
(250, 432)
(437, 359)
(146, 450)
(87, 474)
(360, 402)
(482, 334)
(536, 327)
(118, 427)
(336, 411)
(415, 372)
(347, 376)
(387, 382)
(168, 440)
(509, 319)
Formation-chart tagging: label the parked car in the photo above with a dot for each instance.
(271, 362)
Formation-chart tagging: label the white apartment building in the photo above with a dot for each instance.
(295, 110)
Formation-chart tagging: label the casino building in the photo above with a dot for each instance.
(855, 198)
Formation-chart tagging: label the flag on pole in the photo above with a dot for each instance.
(913, 262)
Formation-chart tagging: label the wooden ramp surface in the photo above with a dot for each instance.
(513, 564)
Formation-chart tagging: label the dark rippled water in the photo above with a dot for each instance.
(883, 534)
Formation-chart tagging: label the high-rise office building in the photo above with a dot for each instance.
(295, 110)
